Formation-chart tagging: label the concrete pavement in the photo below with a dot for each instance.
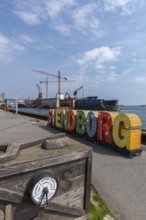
(120, 181)
(15, 127)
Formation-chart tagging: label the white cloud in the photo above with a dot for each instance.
(135, 60)
(126, 6)
(85, 19)
(28, 17)
(4, 47)
(140, 79)
(127, 72)
(8, 47)
(58, 14)
(112, 77)
(81, 15)
(26, 39)
(62, 28)
(4, 40)
(55, 7)
(17, 47)
(98, 56)
(36, 12)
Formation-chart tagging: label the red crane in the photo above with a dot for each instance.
(50, 74)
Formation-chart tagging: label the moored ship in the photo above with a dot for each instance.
(93, 103)
(88, 103)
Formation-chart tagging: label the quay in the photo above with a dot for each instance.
(120, 181)
(45, 117)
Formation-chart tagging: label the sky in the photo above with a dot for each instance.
(97, 44)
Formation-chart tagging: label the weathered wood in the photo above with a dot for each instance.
(70, 171)
(8, 212)
(34, 158)
(70, 189)
(34, 165)
(49, 213)
(65, 209)
(2, 217)
(11, 151)
(69, 198)
(69, 165)
(88, 183)
(13, 197)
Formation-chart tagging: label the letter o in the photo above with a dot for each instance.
(91, 124)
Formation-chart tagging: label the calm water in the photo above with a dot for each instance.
(139, 110)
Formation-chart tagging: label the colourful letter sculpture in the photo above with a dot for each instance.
(71, 121)
(125, 133)
(91, 124)
(121, 130)
(104, 127)
(80, 122)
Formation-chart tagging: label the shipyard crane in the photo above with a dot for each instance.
(40, 96)
(54, 75)
(47, 82)
(75, 92)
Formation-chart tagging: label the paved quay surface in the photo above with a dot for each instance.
(120, 181)
(15, 127)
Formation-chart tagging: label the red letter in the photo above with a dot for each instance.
(104, 127)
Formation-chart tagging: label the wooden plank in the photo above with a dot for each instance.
(6, 171)
(11, 153)
(2, 217)
(70, 180)
(13, 149)
(71, 166)
(69, 171)
(28, 214)
(69, 198)
(65, 209)
(13, 197)
(88, 183)
(8, 212)
(17, 198)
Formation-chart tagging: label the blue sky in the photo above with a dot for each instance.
(98, 44)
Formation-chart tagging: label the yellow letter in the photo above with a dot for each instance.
(125, 131)
(58, 118)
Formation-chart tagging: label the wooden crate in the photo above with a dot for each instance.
(22, 165)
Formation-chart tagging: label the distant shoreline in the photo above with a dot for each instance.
(132, 105)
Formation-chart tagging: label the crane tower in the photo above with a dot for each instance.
(50, 74)
(40, 96)
(47, 82)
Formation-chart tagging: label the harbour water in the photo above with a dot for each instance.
(139, 110)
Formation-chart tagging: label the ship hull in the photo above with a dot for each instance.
(90, 104)
(83, 104)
